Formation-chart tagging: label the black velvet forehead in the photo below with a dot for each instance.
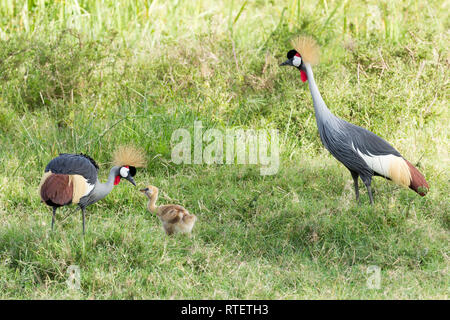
(291, 54)
(132, 171)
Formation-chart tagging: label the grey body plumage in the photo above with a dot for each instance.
(100, 190)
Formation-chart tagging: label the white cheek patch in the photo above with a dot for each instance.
(297, 61)
(124, 172)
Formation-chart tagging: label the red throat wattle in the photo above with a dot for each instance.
(303, 75)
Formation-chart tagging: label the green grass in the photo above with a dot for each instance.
(86, 76)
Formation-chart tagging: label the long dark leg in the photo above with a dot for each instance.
(82, 210)
(53, 217)
(355, 177)
(368, 181)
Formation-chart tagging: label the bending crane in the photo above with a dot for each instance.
(73, 179)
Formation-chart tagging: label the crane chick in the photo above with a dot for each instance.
(174, 218)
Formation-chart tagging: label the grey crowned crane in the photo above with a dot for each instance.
(72, 179)
(362, 152)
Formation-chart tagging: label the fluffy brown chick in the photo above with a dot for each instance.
(174, 218)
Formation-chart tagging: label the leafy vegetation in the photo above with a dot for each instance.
(86, 76)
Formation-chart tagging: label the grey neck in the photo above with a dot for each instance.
(320, 108)
(101, 190)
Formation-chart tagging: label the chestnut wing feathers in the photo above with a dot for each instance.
(72, 164)
(57, 190)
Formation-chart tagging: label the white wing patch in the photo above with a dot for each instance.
(390, 166)
(379, 164)
(89, 188)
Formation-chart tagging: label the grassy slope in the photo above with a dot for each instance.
(77, 82)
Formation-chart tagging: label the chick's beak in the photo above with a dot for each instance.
(144, 190)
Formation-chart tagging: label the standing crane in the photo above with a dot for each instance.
(73, 179)
(362, 152)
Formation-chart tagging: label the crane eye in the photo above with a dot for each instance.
(297, 61)
(124, 172)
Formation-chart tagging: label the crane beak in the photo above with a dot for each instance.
(130, 178)
(287, 63)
